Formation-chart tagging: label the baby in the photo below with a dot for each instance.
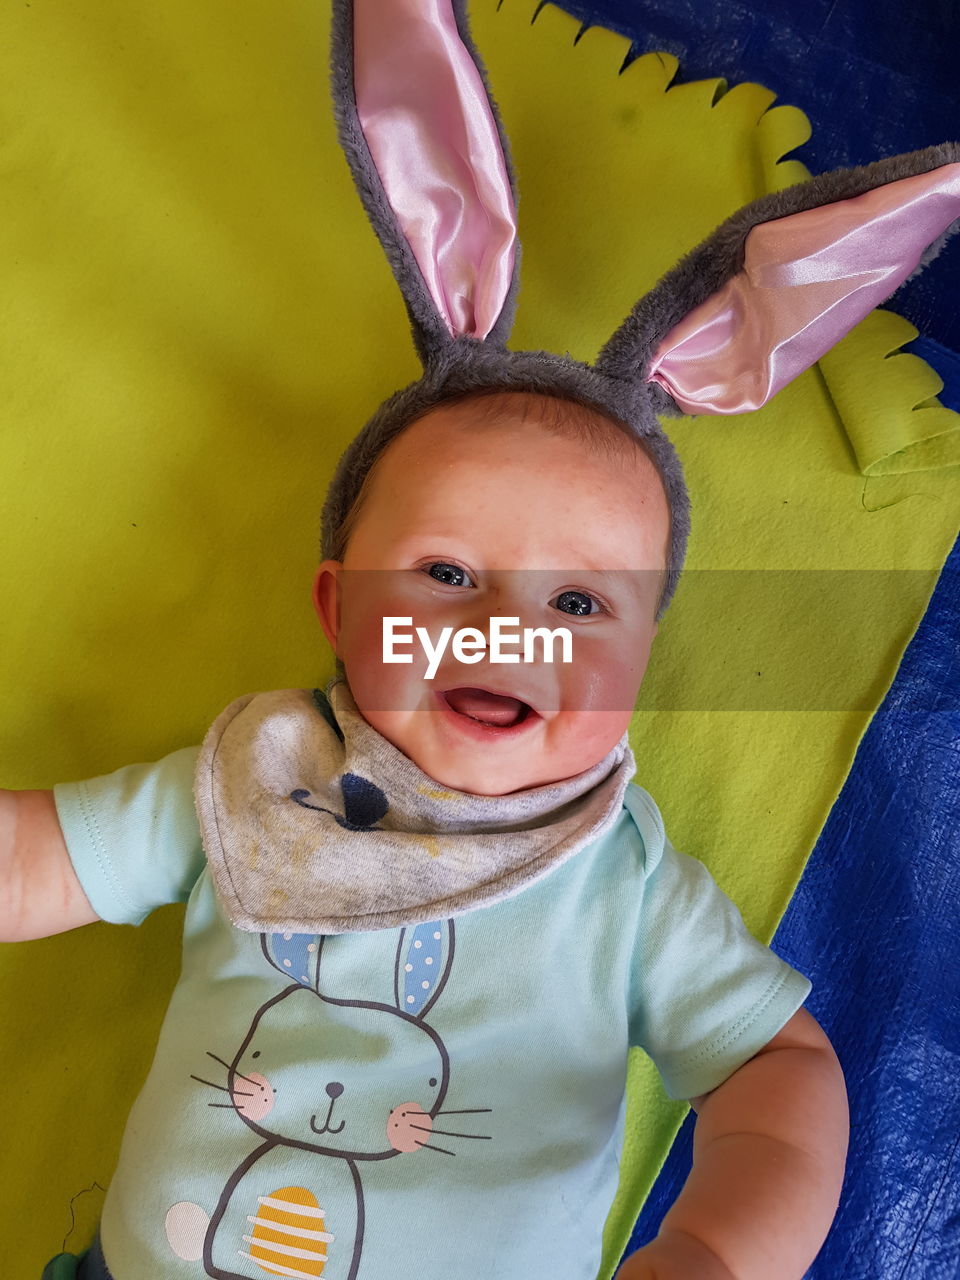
(444, 1098)
(428, 913)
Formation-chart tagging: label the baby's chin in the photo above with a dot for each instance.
(479, 777)
(483, 760)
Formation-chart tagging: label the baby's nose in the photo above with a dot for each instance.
(334, 1089)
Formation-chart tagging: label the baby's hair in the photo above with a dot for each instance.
(593, 427)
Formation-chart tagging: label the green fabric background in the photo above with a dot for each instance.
(197, 318)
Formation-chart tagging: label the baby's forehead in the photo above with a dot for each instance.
(504, 436)
(482, 421)
(593, 495)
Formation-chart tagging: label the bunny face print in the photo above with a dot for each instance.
(464, 521)
(362, 1111)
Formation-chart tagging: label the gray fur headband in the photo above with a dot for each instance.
(758, 302)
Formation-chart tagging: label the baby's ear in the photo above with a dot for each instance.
(326, 599)
(780, 282)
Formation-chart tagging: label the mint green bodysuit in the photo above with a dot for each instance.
(442, 1100)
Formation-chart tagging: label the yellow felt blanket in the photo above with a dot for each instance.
(197, 318)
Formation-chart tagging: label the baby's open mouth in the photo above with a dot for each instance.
(497, 710)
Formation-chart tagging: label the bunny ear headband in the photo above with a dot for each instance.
(753, 306)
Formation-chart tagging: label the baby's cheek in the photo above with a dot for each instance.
(364, 643)
(577, 740)
(603, 679)
(361, 636)
(361, 652)
(598, 694)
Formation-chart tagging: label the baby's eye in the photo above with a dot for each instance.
(577, 602)
(450, 574)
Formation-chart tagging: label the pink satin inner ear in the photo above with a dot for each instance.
(807, 279)
(425, 114)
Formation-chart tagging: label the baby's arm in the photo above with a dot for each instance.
(768, 1158)
(39, 890)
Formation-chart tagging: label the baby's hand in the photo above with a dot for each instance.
(674, 1256)
(39, 890)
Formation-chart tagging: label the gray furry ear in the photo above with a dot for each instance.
(428, 154)
(782, 280)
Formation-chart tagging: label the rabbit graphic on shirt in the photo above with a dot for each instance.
(364, 1105)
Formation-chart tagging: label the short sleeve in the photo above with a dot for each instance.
(133, 836)
(706, 995)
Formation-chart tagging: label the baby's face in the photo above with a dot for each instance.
(464, 523)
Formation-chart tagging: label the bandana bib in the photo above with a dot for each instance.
(312, 822)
